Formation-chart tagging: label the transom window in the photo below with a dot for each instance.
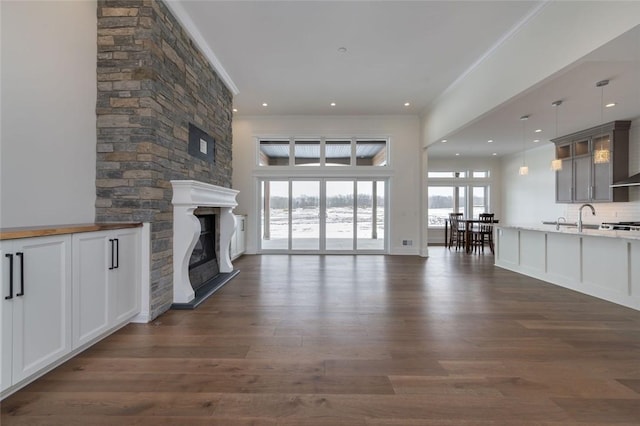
(329, 152)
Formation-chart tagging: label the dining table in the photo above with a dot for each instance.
(468, 229)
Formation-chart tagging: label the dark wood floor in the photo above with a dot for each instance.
(358, 340)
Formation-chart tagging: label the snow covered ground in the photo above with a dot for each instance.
(339, 228)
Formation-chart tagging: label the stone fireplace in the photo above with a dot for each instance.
(154, 85)
(189, 196)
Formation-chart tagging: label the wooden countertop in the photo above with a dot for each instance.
(39, 231)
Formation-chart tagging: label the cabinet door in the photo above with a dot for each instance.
(582, 179)
(601, 180)
(42, 313)
(124, 288)
(6, 314)
(564, 182)
(91, 261)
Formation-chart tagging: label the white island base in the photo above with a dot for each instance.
(603, 264)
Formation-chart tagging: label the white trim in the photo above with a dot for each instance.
(145, 278)
(190, 27)
(322, 210)
(188, 195)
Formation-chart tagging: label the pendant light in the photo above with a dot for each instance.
(556, 163)
(602, 154)
(524, 170)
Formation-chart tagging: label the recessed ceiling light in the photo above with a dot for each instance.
(490, 141)
(495, 153)
(538, 130)
(443, 141)
(332, 104)
(612, 104)
(264, 104)
(457, 154)
(342, 49)
(407, 104)
(235, 110)
(536, 140)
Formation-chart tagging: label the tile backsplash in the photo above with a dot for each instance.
(609, 212)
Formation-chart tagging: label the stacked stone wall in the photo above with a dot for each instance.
(153, 82)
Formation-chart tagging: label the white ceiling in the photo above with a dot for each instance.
(618, 61)
(286, 53)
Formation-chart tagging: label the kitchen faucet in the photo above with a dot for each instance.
(564, 220)
(593, 212)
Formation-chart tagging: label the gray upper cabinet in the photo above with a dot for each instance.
(581, 180)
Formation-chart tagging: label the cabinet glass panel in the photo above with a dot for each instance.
(582, 147)
(563, 152)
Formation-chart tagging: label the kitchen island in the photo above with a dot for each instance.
(600, 263)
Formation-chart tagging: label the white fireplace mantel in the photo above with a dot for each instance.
(188, 195)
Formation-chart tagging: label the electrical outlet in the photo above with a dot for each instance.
(407, 242)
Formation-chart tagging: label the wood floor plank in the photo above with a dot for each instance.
(203, 383)
(358, 341)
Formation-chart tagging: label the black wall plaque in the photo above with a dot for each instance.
(201, 144)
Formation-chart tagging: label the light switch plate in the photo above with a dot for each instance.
(203, 146)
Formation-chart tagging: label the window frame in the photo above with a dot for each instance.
(461, 179)
(353, 159)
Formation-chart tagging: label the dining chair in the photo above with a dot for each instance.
(457, 234)
(483, 233)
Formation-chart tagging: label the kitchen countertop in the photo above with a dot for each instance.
(590, 230)
(39, 231)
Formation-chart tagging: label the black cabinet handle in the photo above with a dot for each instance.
(21, 256)
(117, 240)
(10, 296)
(112, 248)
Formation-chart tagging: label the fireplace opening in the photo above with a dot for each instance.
(203, 263)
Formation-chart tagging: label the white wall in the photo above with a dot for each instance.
(48, 127)
(528, 200)
(404, 135)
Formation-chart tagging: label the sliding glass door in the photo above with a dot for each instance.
(323, 215)
(274, 220)
(339, 218)
(305, 215)
(370, 208)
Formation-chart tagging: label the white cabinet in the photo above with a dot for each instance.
(602, 264)
(35, 305)
(238, 240)
(105, 282)
(61, 293)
